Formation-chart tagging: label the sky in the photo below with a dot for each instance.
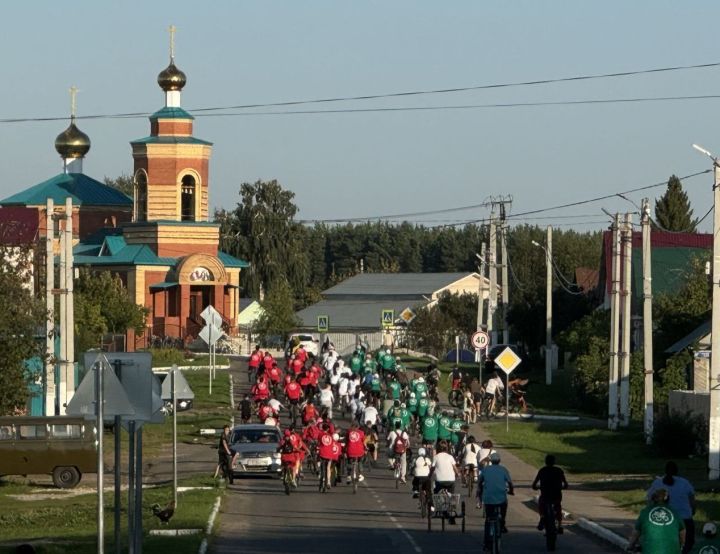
(370, 164)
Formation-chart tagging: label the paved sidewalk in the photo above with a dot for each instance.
(581, 504)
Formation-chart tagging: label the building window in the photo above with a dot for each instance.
(187, 203)
(141, 196)
(173, 302)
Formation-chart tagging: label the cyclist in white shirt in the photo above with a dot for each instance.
(398, 441)
(492, 387)
(370, 414)
(423, 465)
(327, 399)
(444, 469)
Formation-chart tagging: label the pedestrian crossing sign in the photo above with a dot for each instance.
(388, 318)
(323, 324)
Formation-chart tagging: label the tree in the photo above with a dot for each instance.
(672, 209)
(262, 230)
(22, 330)
(103, 304)
(124, 183)
(278, 316)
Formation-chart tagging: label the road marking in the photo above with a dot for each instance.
(392, 518)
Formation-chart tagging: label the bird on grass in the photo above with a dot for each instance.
(164, 515)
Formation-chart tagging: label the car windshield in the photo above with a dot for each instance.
(245, 436)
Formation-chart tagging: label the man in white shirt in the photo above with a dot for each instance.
(423, 465)
(492, 387)
(444, 470)
(327, 399)
(370, 414)
(398, 441)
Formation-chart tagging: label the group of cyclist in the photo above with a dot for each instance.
(384, 406)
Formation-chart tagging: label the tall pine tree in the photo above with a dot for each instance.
(672, 209)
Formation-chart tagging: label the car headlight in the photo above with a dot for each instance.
(276, 455)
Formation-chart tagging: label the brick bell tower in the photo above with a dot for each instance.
(171, 169)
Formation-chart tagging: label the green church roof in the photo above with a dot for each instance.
(84, 191)
(170, 140)
(171, 113)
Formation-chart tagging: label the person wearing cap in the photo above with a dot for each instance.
(709, 542)
(494, 484)
(682, 499)
(421, 480)
(658, 529)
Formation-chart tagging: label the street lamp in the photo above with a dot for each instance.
(548, 304)
(714, 376)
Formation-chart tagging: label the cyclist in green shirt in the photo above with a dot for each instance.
(456, 427)
(430, 429)
(405, 415)
(658, 528)
(444, 426)
(709, 543)
(388, 363)
(412, 404)
(423, 405)
(356, 362)
(369, 366)
(395, 389)
(419, 386)
(394, 416)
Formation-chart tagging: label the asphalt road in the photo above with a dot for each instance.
(258, 517)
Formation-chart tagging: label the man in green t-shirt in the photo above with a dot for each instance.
(709, 543)
(394, 388)
(430, 429)
(420, 386)
(356, 362)
(412, 404)
(456, 427)
(423, 405)
(658, 528)
(444, 427)
(388, 363)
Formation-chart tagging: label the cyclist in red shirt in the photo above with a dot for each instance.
(260, 390)
(275, 375)
(267, 360)
(355, 449)
(264, 411)
(254, 363)
(309, 412)
(296, 365)
(301, 354)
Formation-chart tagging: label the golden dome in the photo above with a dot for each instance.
(171, 78)
(72, 142)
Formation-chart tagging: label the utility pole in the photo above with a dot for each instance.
(49, 381)
(505, 285)
(548, 307)
(481, 289)
(626, 322)
(492, 266)
(647, 321)
(614, 326)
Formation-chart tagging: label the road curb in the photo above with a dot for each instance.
(602, 532)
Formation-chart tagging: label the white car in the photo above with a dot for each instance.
(309, 341)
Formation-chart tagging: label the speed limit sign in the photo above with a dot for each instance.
(480, 340)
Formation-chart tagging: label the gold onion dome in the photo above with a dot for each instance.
(72, 142)
(171, 78)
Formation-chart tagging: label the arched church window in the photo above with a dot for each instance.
(187, 201)
(141, 193)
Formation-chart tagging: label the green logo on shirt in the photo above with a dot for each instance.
(661, 516)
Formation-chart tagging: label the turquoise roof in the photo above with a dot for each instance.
(231, 261)
(84, 191)
(170, 140)
(171, 113)
(111, 249)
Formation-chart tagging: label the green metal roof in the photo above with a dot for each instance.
(113, 245)
(231, 261)
(171, 113)
(131, 254)
(164, 285)
(83, 190)
(170, 140)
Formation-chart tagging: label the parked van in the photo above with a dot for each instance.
(63, 447)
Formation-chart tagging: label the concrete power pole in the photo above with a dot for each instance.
(626, 321)
(548, 307)
(647, 321)
(68, 379)
(714, 377)
(49, 381)
(481, 289)
(492, 266)
(614, 326)
(505, 284)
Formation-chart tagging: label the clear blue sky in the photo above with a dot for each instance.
(365, 164)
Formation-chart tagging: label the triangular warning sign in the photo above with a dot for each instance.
(115, 400)
(182, 389)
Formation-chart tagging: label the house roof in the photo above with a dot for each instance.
(688, 340)
(353, 314)
(587, 278)
(171, 113)
(393, 284)
(18, 225)
(83, 190)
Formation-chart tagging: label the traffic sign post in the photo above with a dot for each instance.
(323, 324)
(388, 318)
(211, 333)
(480, 341)
(507, 360)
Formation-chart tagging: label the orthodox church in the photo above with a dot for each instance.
(160, 242)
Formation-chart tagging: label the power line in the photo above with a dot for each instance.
(203, 111)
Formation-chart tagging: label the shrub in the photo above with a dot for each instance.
(163, 357)
(681, 434)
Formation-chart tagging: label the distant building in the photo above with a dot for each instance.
(355, 307)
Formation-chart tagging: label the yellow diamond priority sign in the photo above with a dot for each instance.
(507, 360)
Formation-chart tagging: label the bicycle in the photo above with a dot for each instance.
(425, 501)
(455, 398)
(355, 474)
(287, 478)
(550, 524)
(396, 471)
(293, 412)
(323, 485)
(469, 478)
(493, 528)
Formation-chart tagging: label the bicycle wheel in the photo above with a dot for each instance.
(455, 398)
(423, 503)
(322, 481)
(497, 533)
(471, 482)
(529, 412)
(287, 478)
(355, 476)
(550, 527)
(397, 474)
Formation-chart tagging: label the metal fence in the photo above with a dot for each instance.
(687, 401)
